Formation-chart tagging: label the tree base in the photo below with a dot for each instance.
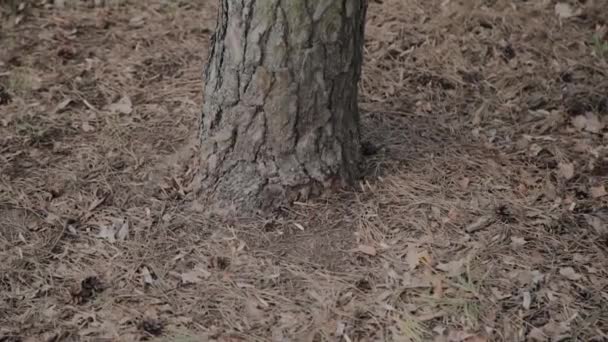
(280, 119)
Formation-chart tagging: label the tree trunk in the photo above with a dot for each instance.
(280, 119)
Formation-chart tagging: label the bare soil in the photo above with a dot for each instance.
(482, 217)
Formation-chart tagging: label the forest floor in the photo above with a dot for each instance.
(483, 217)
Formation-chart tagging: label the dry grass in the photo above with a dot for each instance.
(482, 218)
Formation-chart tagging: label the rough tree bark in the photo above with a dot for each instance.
(280, 119)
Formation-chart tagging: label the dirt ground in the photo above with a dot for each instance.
(483, 216)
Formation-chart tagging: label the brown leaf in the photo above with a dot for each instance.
(252, 311)
(412, 257)
(549, 190)
(564, 10)
(594, 125)
(535, 149)
(453, 216)
(145, 273)
(570, 273)
(557, 331)
(437, 288)
(35, 82)
(527, 300)
(528, 179)
(464, 183)
(589, 122)
(581, 147)
(137, 22)
(62, 105)
(498, 294)
(425, 257)
(463, 336)
(478, 114)
(369, 250)
(117, 231)
(123, 231)
(597, 224)
(530, 277)
(537, 334)
(566, 170)
(476, 338)
(436, 213)
(123, 106)
(107, 232)
(517, 241)
(195, 276)
(579, 122)
(52, 218)
(480, 224)
(522, 143)
(86, 127)
(597, 191)
(97, 202)
(452, 268)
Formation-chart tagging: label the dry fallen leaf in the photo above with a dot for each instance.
(537, 334)
(86, 127)
(535, 150)
(527, 301)
(107, 232)
(596, 223)
(589, 122)
(563, 10)
(97, 202)
(424, 257)
(476, 338)
(579, 122)
(453, 216)
(195, 276)
(498, 294)
(594, 125)
(566, 170)
(570, 273)
(557, 331)
(517, 241)
(52, 218)
(117, 231)
(145, 272)
(369, 250)
(437, 288)
(598, 191)
(412, 257)
(464, 183)
(480, 224)
(530, 277)
(62, 105)
(436, 213)
(123, 106)
(463, 336)
(252, 310)
(452, 268)
(537, 277)
(549, 190)
(123, 231)
(340, 327)
(137, 21)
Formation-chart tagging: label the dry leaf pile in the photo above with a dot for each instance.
(482, 217)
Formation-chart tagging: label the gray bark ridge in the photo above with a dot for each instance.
(280, 118)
